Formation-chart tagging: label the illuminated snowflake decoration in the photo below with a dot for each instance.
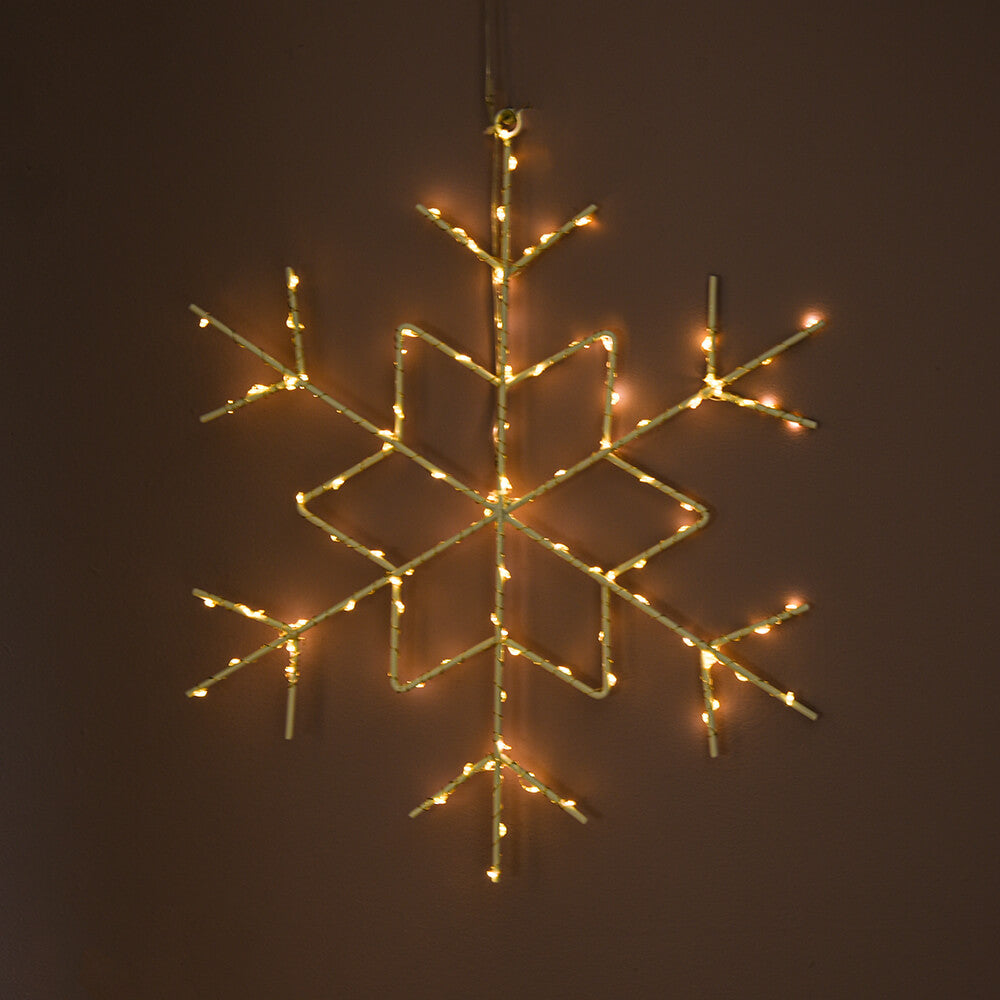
(502, 511)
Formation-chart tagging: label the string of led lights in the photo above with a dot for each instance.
(501, 509)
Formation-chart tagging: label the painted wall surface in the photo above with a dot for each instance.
(840, 158)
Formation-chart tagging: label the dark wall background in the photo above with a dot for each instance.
(833, 156)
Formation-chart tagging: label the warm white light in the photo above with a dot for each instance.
(200, 693)
(811, 319)
(204, 321)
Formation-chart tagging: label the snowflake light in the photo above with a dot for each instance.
(500, 511)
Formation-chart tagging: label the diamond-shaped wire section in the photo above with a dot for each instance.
(500, 510)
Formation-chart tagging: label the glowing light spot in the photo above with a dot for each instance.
(641, 599)
(493, 874)
(293, 281)
(584, 220)
(208, 602)
(203, 322)
(350, 605)
(501, 213)
(694, 403)
(256, 390)
(612, 680)
(438, 474)
(762, 629)
(566, 671)
(502, 829)
(436, 212)
(609, 342)
(810, 320)
(545, 237)
(200, 693)
(512, 162)
(706, 344)
(790, 697)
